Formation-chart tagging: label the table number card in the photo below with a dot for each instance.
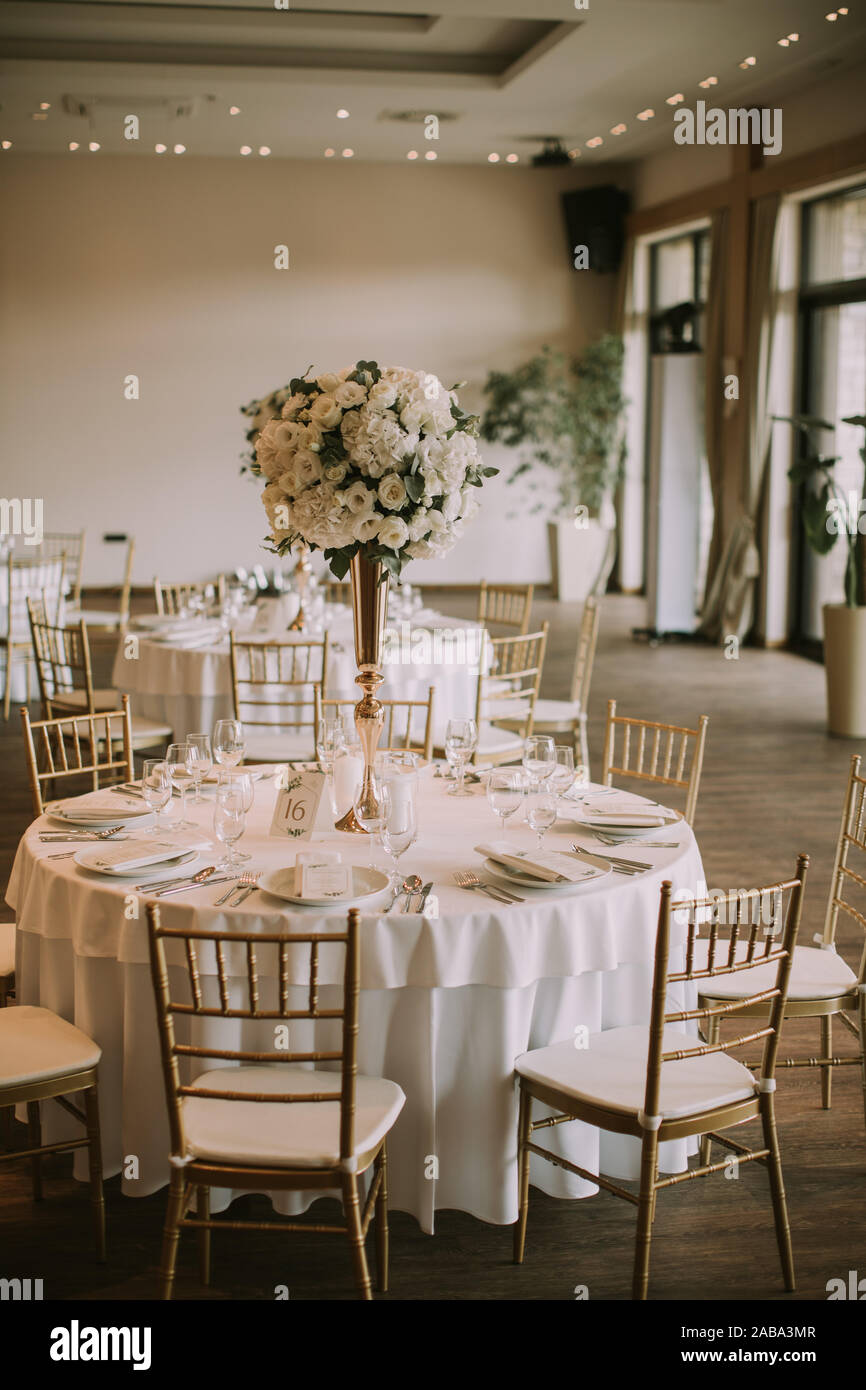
(298, 800)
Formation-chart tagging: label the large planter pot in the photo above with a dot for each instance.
(581, 557)
(845, 665)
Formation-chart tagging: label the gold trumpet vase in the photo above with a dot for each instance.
(301, 576)
(369, 608)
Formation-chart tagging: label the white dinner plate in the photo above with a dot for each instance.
(595, 869)
(622, 826)
(124, 818)
(88, 857)
(367, 883)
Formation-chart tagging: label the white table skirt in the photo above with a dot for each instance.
(446, 1006)
(190, 688)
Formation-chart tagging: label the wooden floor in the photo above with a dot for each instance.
(773, 785)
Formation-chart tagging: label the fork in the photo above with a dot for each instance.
(48, 835)
(468, 879)
(246, 884)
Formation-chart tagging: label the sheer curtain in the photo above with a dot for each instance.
(730, 599)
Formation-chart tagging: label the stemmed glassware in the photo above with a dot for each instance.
(399, 827)
(539, 758)
(236, 777)
(156, 789)
(228, 742)
(371, 823)
(461, 740)
(229, 820)
(541, 814)
(505, 793)
(202, 761)
(179, 759)
(562, 776)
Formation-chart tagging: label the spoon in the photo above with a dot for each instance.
(182, 887)
(411, 886)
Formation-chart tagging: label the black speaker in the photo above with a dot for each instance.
(595, 218)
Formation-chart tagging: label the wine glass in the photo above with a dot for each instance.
(461, 740)
(505, 792)
(179, 759)
(330, 738)
(236, 777)
(228, 742)
(562, 776)
(368, 809)
(541, 814)
(202, 761)
(399, 823)
(156, 789)
(229, 821)
(539, 756)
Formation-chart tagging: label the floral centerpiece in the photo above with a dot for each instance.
(381, 462)
(373, 467)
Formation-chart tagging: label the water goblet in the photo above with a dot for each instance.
(156, 789)
(236, 777)
(228, 742)
(399, 826)
(541, 814)
(461, 740)
(229, 821)
(538, 758)
(179, 759)
(505, 793)
(202, 761)
(562, 776)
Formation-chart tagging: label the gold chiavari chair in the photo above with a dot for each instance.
(645, 745)
(43, 1057)
(273, 691)
(110, 619)
(662, 1082)
(399, 718)
(172, 599)
(569, 716)
(507, 692)
(73, 745)
(270, 1122)
(65, 673)
(505, 605)
(336, 591)
(822, 985)
(26, 578)
(68, 545)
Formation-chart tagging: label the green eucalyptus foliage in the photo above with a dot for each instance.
(565, 413)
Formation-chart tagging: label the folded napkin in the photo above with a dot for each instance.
(136, 854)
(605, 814)
(97, 807)
(549, 867)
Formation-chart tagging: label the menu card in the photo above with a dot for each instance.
(322, 875)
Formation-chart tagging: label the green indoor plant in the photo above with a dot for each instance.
(829, 512)
(565, 415)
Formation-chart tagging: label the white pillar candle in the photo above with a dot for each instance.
(348, 770)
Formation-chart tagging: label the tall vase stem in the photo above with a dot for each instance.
(369, 607)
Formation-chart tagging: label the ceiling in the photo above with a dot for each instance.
(498, 74)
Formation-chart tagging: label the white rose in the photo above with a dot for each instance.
(413, 415)
(325, 412)
(419, 526)
(392, 492)
(420, 550)
(287, 434)
(349, 427)
(451, 506)
(311, 438)
(336, 472)
(357, 498)
(328, 383)
(293, 405)
(366, 528)
(349, 393)
(393, 533)
(382, 395)
(308, 467)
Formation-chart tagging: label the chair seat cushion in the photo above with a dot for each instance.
(555, 713)
(77, 699)
(147, 733)
(36, 1044)
(815, 974)
(611, 1072)
(284, 1134)
(264, 746)
(494, 740)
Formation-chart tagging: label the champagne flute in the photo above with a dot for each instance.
(202, 761)
(179, 759)
(156, 789)
(461, 740)
(228, 742)
(236, 777)
(399, 828)
(539, 757)
(505, 792)
(229, 821)
(541, 814)
(330, 738)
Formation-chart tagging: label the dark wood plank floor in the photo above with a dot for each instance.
(773, 785)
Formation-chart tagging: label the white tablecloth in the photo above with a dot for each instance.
(446, 1005)
(190, 689)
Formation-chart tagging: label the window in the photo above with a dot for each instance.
(679, 275)
(833, 366)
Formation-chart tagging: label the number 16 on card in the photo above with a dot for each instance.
(297, 803)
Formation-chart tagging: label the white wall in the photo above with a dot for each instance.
(164, 268)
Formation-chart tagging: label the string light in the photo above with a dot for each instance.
(512, 158)
(347, 154)
(748, 62)
(493, 159)
(73, 144)
(234, 110)
(431, 154)
(245, 149)
(646, 115)
(45, 106)
(675, 99)
(180, 149)
(342, 114)
(160, 149)
(93, 146)
(618, 129)
(594, 143)
(264, 150)
(708, 82)
(6, 144)
(574, 154)
(413, 154)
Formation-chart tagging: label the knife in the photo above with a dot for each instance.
(425, 893)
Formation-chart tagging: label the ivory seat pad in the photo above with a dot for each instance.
(36, 1044)
(283, 1134)
(611, 1072)
(815, 974)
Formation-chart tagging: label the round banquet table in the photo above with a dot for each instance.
(446, 1004)
(189, 687)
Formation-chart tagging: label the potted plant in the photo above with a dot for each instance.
(565, 414)
(828, 513)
